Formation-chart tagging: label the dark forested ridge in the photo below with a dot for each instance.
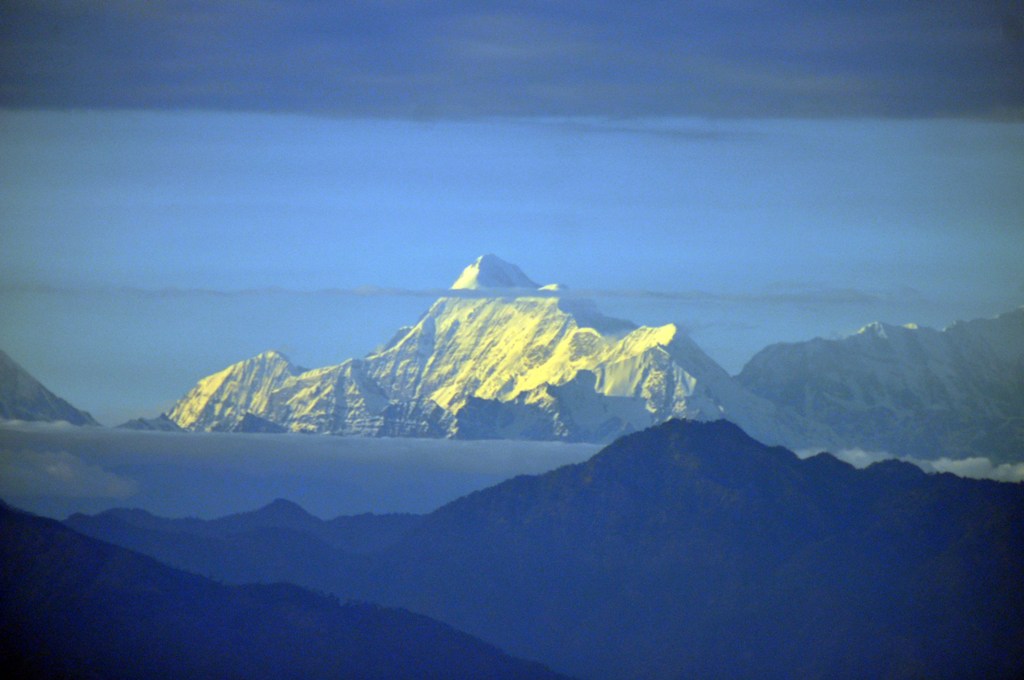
(692, 550)
(74, 607)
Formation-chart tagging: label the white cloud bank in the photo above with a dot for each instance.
(55, 471)
(974, 468)
(26, 474)
(215, 474)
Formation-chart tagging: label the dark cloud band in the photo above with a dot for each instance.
(464, 59)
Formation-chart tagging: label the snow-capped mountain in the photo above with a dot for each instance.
(905, 389)
(490, 271)
(22, 397)
(221, 400)
(520, 363)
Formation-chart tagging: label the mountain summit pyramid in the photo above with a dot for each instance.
(490, 271)
(521, 363)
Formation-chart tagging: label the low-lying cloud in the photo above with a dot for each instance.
(974, 468)
(28, 474)
(211, 474)
(57, 471)
(805, 295)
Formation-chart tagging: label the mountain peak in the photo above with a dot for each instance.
(883, 330)
(271, 356)
(282, 508)
(279, 513)
(23, 397)
(490, 271)
(222, 400)
(875, 328)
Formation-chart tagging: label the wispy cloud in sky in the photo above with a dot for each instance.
(805, 295)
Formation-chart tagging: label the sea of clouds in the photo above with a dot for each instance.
(56, 470)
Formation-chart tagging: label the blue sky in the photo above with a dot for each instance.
(232, 202)
(185, 184)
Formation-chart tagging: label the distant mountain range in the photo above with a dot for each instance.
(75, 607)
(908, 390)
(22, 397)
(504, 358)
(685, 550)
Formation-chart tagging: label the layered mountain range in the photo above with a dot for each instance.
(75, 607)
(685, 550)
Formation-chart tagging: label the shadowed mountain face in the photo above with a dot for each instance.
(908, 390)
(22, 397)
(692, 550)
(71, 606)
(159, 424)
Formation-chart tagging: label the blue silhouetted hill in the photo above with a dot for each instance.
(74, 607)
(279, 542)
